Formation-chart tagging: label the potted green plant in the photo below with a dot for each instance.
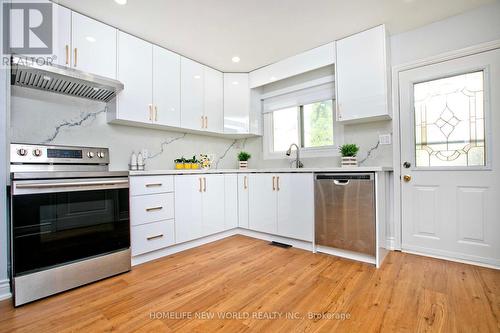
(179, 163)
(243, 157)
(195, 164)
(349, 152)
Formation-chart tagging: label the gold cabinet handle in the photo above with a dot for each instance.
(150, 112)
(152, 209)
(274, 186)
(278, 183)
(202, 122)
(67, 54)
(407, 178)
(154, 237)
(156, 113)
(245, 182)
(76, 56)
(154, 185)
(204, 184)
(201, 189)
(206, 121)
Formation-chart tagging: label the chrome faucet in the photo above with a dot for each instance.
(298, 163)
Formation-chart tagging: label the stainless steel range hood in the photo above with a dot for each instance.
(62, 80)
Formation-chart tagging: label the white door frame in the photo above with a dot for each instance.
(394, 241)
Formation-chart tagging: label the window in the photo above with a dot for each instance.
(449, 121)
(309, 126)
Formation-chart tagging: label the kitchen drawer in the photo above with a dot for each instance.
(151, 208)
(151, 184)
(152, 236)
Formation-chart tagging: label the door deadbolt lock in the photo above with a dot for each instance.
(407, 178)
(406, 165)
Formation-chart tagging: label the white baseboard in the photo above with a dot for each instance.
(390, 244)
(5, 289)
(445, 255)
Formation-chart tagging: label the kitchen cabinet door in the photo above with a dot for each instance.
(214, 101)
(188, 208)
(236, 103)
(192, 94)
(213, 204)
(135, 71)
(94, 46)
(362, 76)
(231, 201)
(61, 35)
(262, 202)
(243, 201)
(295, 205)
(166, 87)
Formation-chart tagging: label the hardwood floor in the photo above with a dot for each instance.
(256, 281)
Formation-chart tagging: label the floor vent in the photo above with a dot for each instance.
(278, 244)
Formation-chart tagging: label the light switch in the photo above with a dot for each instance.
(385, 139)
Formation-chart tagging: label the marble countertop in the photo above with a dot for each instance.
(273, 170)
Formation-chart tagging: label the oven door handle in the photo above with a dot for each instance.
(50, 187)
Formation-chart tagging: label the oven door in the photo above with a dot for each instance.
(55, 222)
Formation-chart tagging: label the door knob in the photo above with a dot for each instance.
(407, 178)
(406, 165)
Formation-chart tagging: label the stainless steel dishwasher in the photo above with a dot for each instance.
(345, 211)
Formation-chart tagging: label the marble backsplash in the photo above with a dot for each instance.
(41, 117)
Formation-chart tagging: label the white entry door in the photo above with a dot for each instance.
(450, 155)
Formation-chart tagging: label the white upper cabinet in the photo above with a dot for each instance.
(61, 35)
(166, 87)
(192, 94)
(214, 100)
(301, 63)
(262, 203)
(236, 103)
(94, 46)
(362, 80)
(135, 70)
(295, 205)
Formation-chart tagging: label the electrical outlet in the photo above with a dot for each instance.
(385, 139)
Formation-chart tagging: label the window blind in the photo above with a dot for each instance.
(305, 96)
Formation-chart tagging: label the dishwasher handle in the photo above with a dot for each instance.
(343, 182)
(343, 179)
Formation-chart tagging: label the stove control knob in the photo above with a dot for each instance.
(37, 152)
(22, 152)
(101, 154)
(90, 154)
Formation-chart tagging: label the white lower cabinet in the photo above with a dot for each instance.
(296, 205)
(282, 204)
(231, 201)
(262, 203)
(150, 208)
(212, 207)
(152, 236)
(243, 201)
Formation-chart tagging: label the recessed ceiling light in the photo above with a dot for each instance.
(235, 82)
(121, 2)
(236, 59)
(90, 39)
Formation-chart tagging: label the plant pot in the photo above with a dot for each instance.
(187, 165)
(195, 165)
(349, 161)
(243, 164)
(179, 166)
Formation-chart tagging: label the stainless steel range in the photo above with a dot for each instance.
(69, 219)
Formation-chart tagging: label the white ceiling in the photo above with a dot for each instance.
(260, 32)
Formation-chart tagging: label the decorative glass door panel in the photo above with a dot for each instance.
(449, 121)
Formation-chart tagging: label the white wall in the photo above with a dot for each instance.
(4, 284)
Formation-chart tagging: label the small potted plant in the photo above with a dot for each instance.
(187, 163)
(195, 164)
(243, 157)
(349, 152)
(179, 163)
